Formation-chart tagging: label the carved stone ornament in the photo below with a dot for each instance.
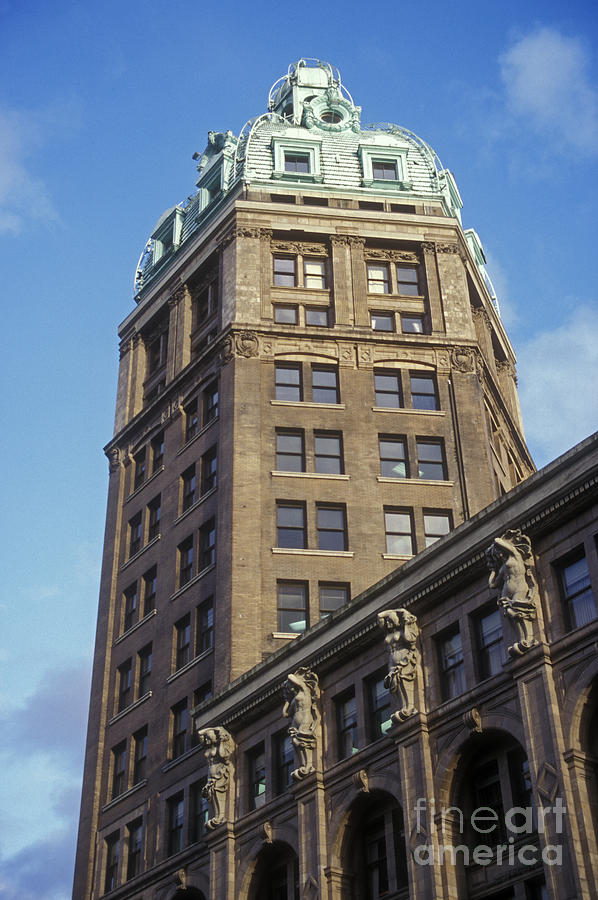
(125, 346)
(448, 248)
(375, 253)
(361, 781)
(510, 560)
(473, 720)
(302, 691)
(341, 240)
(113, 459)
(401, 638)
(428, 247)
(180, 878)
(247, 344)
(478, 312)
(267, 833)
(506, 367)
(217, 745)
(464, 359)
(307, 248)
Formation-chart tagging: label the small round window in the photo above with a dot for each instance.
(331, 116)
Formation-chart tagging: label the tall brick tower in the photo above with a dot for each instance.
(314, 385)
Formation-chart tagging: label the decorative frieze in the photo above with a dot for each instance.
(218, 747)
(375, 253)
(405, 661)
(302, 691)
(306, 248)
(510, 560)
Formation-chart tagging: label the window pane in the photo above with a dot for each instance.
(291, 526)
(378, 281)
(392, 459)
(435, 526)
(387, 390)
(316, 317)
(578, 592)
(332, 597)
(423, 392)
(289, 452)
(284, 271)
(399, 532)
(412, 324)
(296, 162)
(285, 314)
(324, 385)
(382, 321)
(288, 383)
(328, 455)
(383, 170)
(430, 460)
(314, 273)
(407, 281)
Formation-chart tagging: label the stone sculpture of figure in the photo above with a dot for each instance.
(511, 574)
(301, 691)
(217, 745)
(401, 638)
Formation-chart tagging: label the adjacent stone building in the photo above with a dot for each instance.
(314, 387)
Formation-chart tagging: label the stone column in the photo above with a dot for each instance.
(483, 333)
(222, 863)
(265, 235)
(454, 291)
(582, 773)
(433, 288)
(136, 378)
(311, 821)
(179, 331)
(341, 279)
(360, 284)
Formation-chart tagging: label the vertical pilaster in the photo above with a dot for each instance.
(179, 331)
(341, 272)
(138, 367)
(222, 863)
(360, 285)
(454, 292)
(433, 288)
(583, 784)
(483, 332)
(311, 818)
(265, 235)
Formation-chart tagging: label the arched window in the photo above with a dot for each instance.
(276, 875)
(374, 855)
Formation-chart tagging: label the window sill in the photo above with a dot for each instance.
(301, 177)
(174, 762)
(188, 666)
(427, 481)
(286, 635)
(134, 627)
(416, 412)
(115, 800)
(193, 581)
(279, 474)
(197, 436)
(139, 553)
(297, 551)
(307, 404)
(128, 709)
(396, 556)
(196, 505)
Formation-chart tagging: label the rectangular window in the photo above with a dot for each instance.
(290, 454)
(324, 382)
(256, 768)
(150, 588)
(290, 524)
(346, 724)
(488, 634)
(407, 281)
(209, 470)
(284, 761)
(119, 770)
(185, 561)
(423, 391)
(382, 321)
(145, 670)
(210, 402)
(205, 626)
(135, 535)
(412, 324)
(332, 597)
(189, 487)
(199, 811)
(297, 162)
(577, 590)
(314, 273)
(157, 350)
(134, 848)
(292, 606)
(112, 857)
(436, 525)
(316, 316)
(179, 728)
(207, 544)
(387, 388)
(125, 685)
(140, 755)
(131, 609)
(288, 382)
(286, 315)
(430, 460)
(182, 632)
(157, 447)
(332, 528)
(393, 457)
(384, 170)
(379, 720)
(207, 301)
(399, 532)
(378, 278)
(175, 812)
(328, 453)
(191, 419)
(140, 471)
(452, 665)
(153, 528)
(285, 271)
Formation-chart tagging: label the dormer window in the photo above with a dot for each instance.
(296, 162)
(384, 170)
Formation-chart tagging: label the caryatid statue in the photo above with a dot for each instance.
(217, 745)
(510, 560)
(401, 638)
(302, 691)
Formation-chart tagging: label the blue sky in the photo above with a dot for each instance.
(101, 108)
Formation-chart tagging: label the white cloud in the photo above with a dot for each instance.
(548, 87)
(558, 374)
(22, 195)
